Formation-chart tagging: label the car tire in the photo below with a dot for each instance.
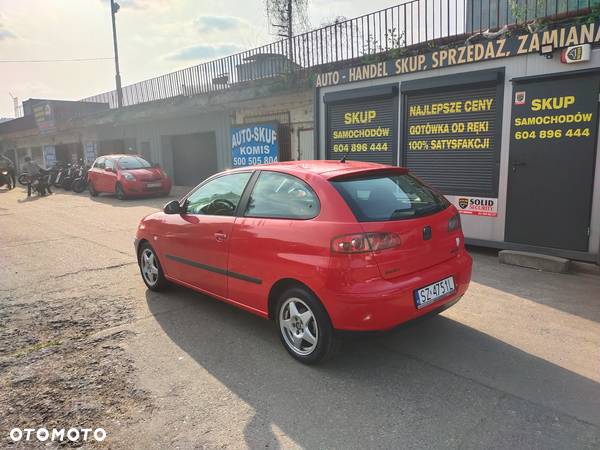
(92, 190)
(304, 326)
(150, 268)
(119, 192)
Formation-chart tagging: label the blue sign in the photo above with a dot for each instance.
(254, 144)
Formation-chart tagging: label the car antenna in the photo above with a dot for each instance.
(343, 160)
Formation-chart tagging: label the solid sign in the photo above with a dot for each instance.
(475, 206)
(576, 54)
(482, 51)
(254, 144)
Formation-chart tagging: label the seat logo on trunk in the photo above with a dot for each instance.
(426, 233)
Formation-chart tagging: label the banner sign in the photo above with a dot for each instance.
(44, 117)
(254, 144)
(89, 153)
(49, 156)
(475, 206)
(364, 130)
(481, 51)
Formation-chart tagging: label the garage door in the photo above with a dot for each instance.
(194, 157)
(452, 138)
(362, 125)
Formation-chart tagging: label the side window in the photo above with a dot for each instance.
(277, 195)
(219, 197)
(109, 164)
(99, 164)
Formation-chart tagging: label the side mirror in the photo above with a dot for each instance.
(173, 207)
(109, 169)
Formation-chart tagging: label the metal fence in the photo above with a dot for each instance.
(400, 26)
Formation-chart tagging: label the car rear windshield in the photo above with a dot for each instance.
(133, 162)
(385, 197)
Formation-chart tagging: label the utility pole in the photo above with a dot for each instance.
(290, 32)
(114, 8)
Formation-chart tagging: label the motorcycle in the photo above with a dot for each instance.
(80, 182)
(5, 178)
(38, 185)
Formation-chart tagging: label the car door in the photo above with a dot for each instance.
(95, 173)
(109, 177)
(196, 243)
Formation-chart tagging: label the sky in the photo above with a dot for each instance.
(155, 37)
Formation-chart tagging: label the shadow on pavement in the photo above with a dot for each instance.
(434, 384)
(572, 293)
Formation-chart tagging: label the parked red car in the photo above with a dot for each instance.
(317, 246)
(127, 176)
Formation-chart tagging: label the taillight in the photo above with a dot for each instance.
(454, 222)
(364, 242)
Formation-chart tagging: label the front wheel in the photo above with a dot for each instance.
(150, 268)
(23, 179)
(304, 326)
(92, 190)
(79, 185)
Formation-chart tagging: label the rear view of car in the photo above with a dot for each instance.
(410, 250)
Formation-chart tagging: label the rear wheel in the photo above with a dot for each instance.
(304, 326)
(150, 268)
(79, 185)
(119, 192)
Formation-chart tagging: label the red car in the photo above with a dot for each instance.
(316, 246)
(127, 176)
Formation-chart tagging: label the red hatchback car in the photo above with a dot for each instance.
(127, 176)
(317, 246)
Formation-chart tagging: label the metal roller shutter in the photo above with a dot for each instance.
(364, 130)
(452, 139)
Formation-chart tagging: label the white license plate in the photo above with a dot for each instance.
(429, 294)
(155, 184)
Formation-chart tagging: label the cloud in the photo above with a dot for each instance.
(208, 24)
(5, 34)
(205, 51)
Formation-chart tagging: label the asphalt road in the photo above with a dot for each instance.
(515, 364)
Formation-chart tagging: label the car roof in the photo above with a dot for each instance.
(119, 155)
(327, 168)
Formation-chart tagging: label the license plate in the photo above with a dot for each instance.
(434, 292)
(155, 184)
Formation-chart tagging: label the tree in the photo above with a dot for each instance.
(286, 16)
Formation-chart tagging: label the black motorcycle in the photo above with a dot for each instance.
(80, 181)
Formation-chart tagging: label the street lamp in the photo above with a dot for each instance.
(114, 8)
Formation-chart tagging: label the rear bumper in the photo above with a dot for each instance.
(390, 303)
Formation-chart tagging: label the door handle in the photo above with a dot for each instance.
(220, 237)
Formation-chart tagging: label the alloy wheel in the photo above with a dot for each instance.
(149, 266)
(298, 326)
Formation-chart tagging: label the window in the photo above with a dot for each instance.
(219, 197)
(133, 162)
(277, 195)
(109, 164)
(389, 197)
(99, 164)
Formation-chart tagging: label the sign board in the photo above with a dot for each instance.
(44, 117)
(89, 153)
(573, 35)
(475, 206)
(254, 144)
(451, 138)
(363, 130)
(49, 152)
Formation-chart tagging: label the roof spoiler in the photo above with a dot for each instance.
(369, 172)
